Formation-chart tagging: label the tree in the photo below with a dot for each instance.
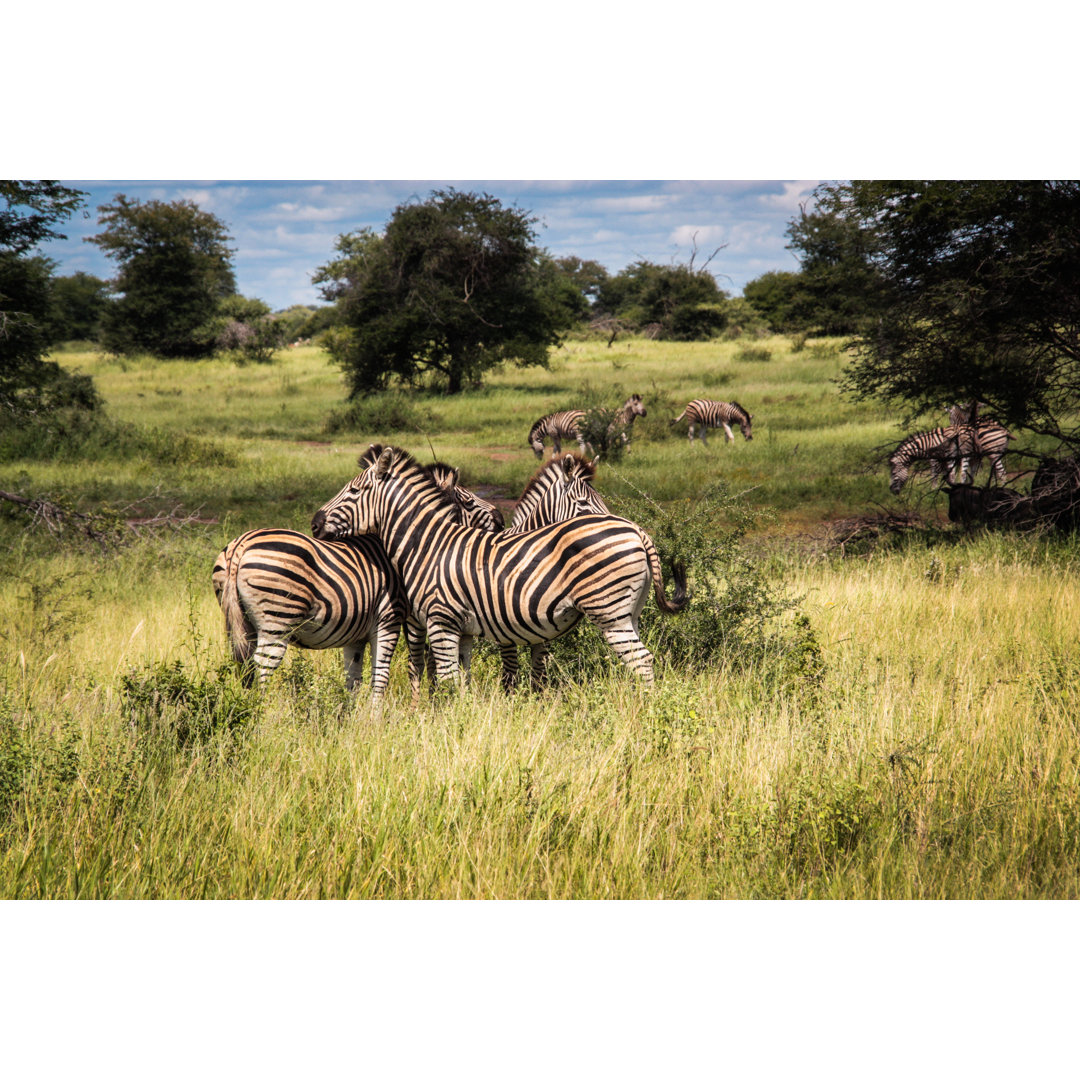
(784, 300)
(174, 268)
(840, 285)
(981, 297)
(453, 287)
(29, 384)
(684, 302)
(245, 329)
(78, 303)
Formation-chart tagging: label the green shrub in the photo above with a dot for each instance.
(754, 355)
(189, 707)
(382, 414)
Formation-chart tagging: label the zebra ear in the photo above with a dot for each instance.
(382, 466)
(567, 466)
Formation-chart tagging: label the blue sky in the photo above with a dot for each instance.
(283, 230)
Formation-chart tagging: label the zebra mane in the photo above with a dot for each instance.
(740, 410)
(940, 432)
(407, 465)
(441, 472)
(583, 469)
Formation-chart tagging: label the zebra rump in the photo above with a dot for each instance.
(277, 587)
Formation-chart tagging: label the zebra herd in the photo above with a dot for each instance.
(954, 452)
(404, 545)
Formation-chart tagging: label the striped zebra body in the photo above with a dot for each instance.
(991, 438)
(949, 450)
(704, 414)
(277, 587)
(556, 426)
(522, 589)
(567, 425)
(560, 490)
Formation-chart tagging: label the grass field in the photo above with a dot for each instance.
(927, 747)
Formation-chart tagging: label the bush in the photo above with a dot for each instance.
(751, 355)
(381, 414)
(601, 432)
(165, 699)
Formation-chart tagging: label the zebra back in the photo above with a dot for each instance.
(555, 426)
(559, 490)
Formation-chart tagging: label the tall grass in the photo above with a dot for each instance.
(914, 736)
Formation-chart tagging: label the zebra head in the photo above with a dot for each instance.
(477, 513)
(898, 473)
(743, 418)
(633, 407)
(561, 490)
(352, 511)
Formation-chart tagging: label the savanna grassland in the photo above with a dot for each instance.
(900, 721)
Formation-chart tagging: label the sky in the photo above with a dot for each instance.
(282, 230)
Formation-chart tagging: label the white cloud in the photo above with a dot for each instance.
(795, 192)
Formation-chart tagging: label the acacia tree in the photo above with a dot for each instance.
(175, 266)
(981, 296)
(453, 286)
(29, 385)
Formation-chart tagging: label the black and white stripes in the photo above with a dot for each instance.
(520, 589)
(704, 414)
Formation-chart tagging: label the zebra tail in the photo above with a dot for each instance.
(237, 627)
(678, 572)
(677, 418)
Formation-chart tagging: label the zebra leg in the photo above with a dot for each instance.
(414, 643)
(266, 658)
(628, 647)
(509, 656)
(353, 656)
(447, 645)
(556, 446)
(691, 435)
(999, 468)
(538, 665)
(383, 642)
(704, 434)
(728, 433)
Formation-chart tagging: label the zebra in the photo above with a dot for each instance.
(559, 490)
(522, 589)
(476, 512)
(277, 587)
(713, 414)
(991, 439)
(949, 451)
(567, 425)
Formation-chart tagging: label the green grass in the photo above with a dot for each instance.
(927, 747)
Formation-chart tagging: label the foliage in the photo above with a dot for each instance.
(685, 303)
(30, 386)
(246, 332)
(743, 320)
(602, 433)
(188, 706)
(77, 304)
(783, 299)
(452, 288)
(840, 288)
(753, 355)
(381, 414)
(981, 281)
(174, 268)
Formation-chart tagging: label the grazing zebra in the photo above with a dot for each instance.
(567, 425)
(475, 512)
(991, 439)
(713, 414)
(949, 451)
(559, 490)
(277, 587)
(523, 589)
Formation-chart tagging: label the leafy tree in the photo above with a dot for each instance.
(174, 269)
(981, 296)
(841, 290)
(29, 384)
(245, 329)
(78, 303)
(685, 303)
(453, 286)
(784, 300)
